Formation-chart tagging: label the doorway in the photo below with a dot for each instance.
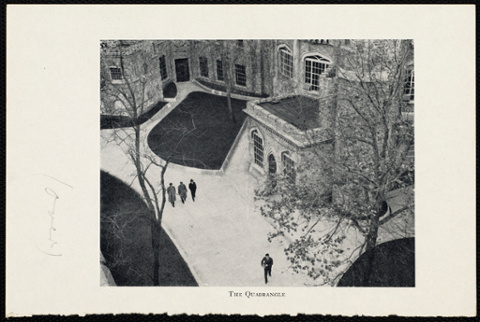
(181, 69)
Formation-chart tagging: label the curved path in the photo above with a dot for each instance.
(220, 235)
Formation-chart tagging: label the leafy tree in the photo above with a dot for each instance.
(361, 180)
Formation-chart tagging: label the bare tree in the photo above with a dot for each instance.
(130, 82)
(227, 60)
(128, 258)
(347, 188)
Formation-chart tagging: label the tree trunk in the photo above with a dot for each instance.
(156, 237)
(164, 194)
(156, 222)
(229, 104)
(157, 229)
(371, 242)
(226, 67)
(138, 166)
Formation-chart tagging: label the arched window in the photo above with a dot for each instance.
(257, 148)
(409, 89)
(286, 61)
(314, 67)
(288, 166)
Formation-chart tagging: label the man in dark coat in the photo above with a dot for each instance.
(182, 191)
(171, 194)
(193, 187)
(267, 263)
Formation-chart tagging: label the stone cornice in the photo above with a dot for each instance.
(283, 129)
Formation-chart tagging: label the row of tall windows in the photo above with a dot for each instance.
(240, 73)
(316, 65)
(116, 72)
(258, 158)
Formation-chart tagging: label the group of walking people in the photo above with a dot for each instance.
(182, 192)
(267, 261)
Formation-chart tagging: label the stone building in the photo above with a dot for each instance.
(304, 66)
(257, 68)
(281, 128)
(241, 66)
(297, 116)
(300, 82)
(312, 79)
(129, 74)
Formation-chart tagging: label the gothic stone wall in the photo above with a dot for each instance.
(253, 54)
(273, 143)
(140, 63)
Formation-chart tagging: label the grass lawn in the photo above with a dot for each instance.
(131, 246)
(212, 135)
(116, 121)
(393, 266)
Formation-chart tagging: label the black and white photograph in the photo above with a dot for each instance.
(298, 153)
(240, 160)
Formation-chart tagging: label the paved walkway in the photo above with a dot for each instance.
(220, 235)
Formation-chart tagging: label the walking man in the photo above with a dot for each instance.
(193, 187)
(171, 194)
(267, 263)
(182, 191)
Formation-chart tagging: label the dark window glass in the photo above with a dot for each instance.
(220, 71)
(163, 68)
(203, 66)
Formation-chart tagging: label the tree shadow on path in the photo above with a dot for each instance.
(126, 241)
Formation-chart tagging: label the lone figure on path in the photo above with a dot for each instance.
(171, 194)
(267, 263)
(182, 191)
(193, 187)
